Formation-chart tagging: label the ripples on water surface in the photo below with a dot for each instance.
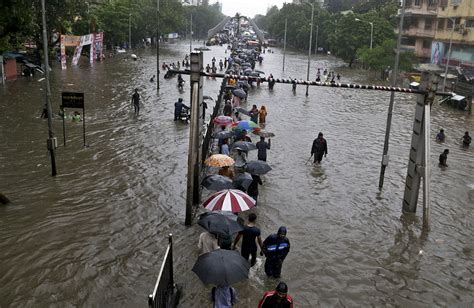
(95, 235)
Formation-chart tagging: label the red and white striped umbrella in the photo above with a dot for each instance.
(223, 120)
(231, 200)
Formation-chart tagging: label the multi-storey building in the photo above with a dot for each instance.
(459, 13)
(428, 29)
(419, 26)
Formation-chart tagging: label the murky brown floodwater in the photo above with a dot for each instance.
(95, 235)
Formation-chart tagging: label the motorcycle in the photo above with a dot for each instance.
(185, 115)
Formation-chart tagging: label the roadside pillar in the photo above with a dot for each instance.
(420, 150)
(193, 183)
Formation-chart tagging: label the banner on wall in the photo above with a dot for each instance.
(95, 40)
(437, 52)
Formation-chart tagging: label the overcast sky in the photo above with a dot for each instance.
(248, 8)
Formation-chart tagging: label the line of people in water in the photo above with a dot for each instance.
(441, 137)
(274, 247)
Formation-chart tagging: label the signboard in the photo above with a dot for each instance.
(72, 100)
(437, 52)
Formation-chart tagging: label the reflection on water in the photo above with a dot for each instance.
(95, 235)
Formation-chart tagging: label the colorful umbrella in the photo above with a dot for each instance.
(223, 120)
(229, 200)
(219, 160)
(245, 125)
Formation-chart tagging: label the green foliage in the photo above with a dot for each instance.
(383, 56)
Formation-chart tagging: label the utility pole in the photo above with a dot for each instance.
(51, 144)
(310, 40)
(157, 46)
(191, 35)
(317, 32)
(194, 151)
(449, 54)
(385, 157)
(130, 31)
(284, 44)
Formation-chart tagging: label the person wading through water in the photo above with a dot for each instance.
(319, 148)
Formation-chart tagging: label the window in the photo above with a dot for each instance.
(428, 24)
(455, 2)
(432, 3)
(443, 3)
(408, 41)
(426, 44)
(470, 23)
(450, 24)
(441, 24)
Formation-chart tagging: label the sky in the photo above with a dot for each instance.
(248, 8)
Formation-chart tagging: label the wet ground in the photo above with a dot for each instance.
(95, 235)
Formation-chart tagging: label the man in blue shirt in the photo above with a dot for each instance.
(223, 296)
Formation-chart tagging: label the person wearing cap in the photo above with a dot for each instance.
(443, 157)
(278, 298)
(275, 247)
(178, 108)
(319, 148)
(136, 101)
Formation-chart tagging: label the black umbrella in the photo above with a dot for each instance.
(244, 145)
(258, 167)
(216, 182)
(239, 92)
(221, 267)
(243, 180)
(242, 111)
(222, 223)
(223, 134)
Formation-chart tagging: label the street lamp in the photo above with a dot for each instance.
(371, 31)
(449, 53)
(310, 40)
(130, 31)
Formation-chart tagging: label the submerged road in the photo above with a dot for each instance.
(95, 235)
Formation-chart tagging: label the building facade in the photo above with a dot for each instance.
(456, 24)
(428, 29)
(419, 26)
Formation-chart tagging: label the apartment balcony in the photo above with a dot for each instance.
(417, 32)
(465, 35)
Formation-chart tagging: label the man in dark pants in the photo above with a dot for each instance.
(319, 148)
(278, 298)
(262, 147)
(249, 235)
(136, 101)
(178, 107)
(275, 247)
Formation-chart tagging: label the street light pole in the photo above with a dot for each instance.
(157, 46)
(130, 31)
(385, 157)
(310, 41)
(449, 53)
(191, 35)
(371, 33)
(50, 142)
(284, 44)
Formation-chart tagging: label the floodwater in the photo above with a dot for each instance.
(95, 235)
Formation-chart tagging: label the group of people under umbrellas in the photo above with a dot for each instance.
(236, 185)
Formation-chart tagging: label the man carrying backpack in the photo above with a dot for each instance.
(319, 148)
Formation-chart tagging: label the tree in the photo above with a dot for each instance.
(383, 56)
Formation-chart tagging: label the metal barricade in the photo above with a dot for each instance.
(163, 295)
